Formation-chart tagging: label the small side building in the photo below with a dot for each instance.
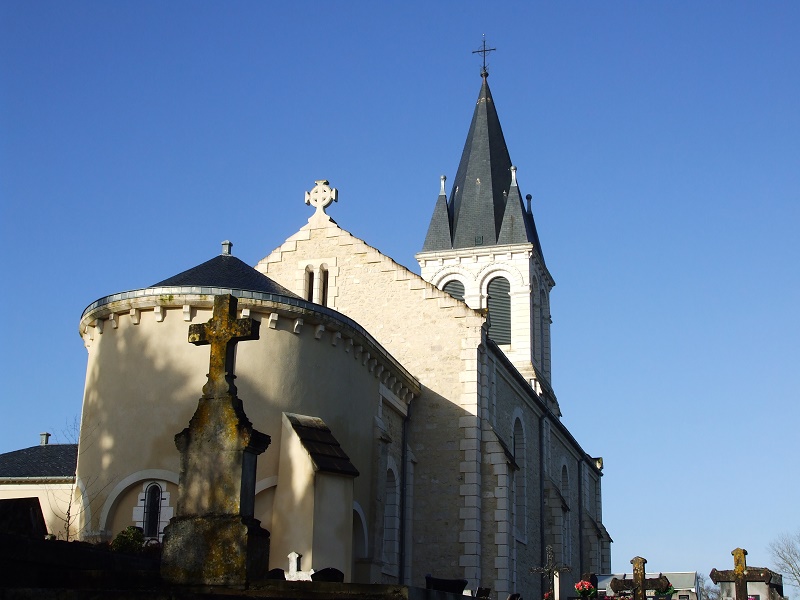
(45, 472)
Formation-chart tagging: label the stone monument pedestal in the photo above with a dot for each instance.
(215, 550)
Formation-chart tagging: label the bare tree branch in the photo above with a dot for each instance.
(785, 553)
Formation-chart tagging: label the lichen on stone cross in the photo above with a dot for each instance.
(321, 196)
(741, 574)
(639, 585)
(223, 331)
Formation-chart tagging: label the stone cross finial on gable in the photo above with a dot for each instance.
(322, 195)
(222, 332)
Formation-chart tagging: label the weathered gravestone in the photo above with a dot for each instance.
(214, 538)
(551, 570)
(639, 585)
(740, 574)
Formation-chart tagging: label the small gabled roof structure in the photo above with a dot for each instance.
(485, 206)
(325, 451)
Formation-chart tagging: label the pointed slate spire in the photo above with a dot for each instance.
(439, 234)
(518, 226)
(485, 206)
(477, 202)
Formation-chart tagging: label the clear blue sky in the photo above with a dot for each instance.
(660, 141)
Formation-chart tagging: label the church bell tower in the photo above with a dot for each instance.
(482, 246)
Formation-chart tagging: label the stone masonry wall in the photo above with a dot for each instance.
(436, 338)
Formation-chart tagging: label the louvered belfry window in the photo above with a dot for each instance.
(499, 304)
(455, 288)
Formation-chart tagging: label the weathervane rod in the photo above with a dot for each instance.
(484, 50)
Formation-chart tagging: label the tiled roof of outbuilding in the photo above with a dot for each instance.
(49, 460)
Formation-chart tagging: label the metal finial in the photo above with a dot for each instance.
(513, 175)
(441, 189)
(484, 50)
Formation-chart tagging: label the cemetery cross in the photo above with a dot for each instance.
(740, 574)
(222, 332)
(639, 584)
(550, 568)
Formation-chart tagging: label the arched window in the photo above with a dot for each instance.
(566, 529)
(534, 339)
(391, 524)
(499, 305)
(542, 326)
(455, 288)
(520, 504)
(309, 295)
(152, 510)
(323, 286)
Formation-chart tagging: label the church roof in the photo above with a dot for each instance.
(46, 460)
(226, 271)
(326, 453)
(485, 206)
(223, 274)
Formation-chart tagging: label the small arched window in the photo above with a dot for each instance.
(566, 529)
(391, 523)
(499, 305)
(520, 504)
(323, 286)
(455, 288)
(309, 295)
(542, 325)
(152, 510)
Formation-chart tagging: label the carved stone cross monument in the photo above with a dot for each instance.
(222, 332)
(639, 584)
(551, 570)
(214, 538)
(740, 574)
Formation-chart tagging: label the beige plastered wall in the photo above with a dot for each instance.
(144, 380)
(54, 499)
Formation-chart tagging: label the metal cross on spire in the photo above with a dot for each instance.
(484, 50)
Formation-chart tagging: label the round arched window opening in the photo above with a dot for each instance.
(152, 510)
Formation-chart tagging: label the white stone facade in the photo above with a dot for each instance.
(484, 430)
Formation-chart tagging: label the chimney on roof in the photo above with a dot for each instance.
(226, 247)
(44, 439)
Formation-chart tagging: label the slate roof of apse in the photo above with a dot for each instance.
(226, 271)
(50, 460)
(325, 451)
(483, 204)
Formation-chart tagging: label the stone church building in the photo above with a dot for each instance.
(413, 426)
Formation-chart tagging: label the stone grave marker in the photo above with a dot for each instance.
(639, 584)
(740, 574)
(214, 538)
(551, 570)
